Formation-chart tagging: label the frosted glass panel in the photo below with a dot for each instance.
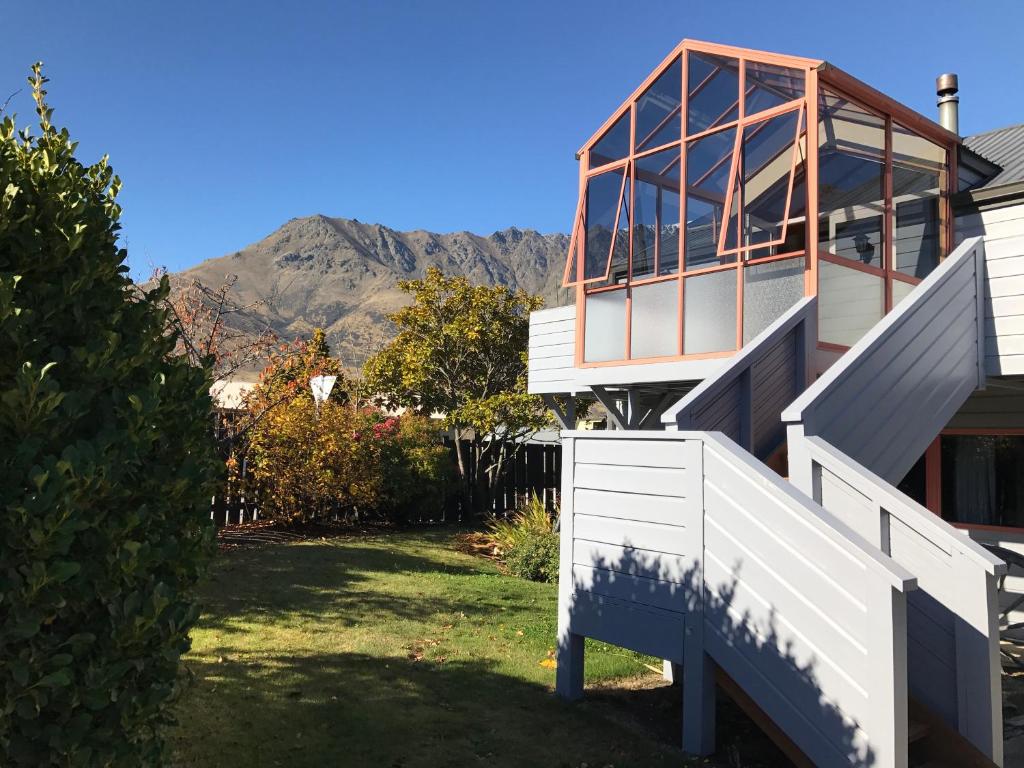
(709, 306)
(605, 332)
(768, 291)
(900, 291)
(849, 303)
(655, 321)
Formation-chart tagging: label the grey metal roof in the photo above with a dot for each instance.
(1005, 148)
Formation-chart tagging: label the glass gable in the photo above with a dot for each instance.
(732, 184)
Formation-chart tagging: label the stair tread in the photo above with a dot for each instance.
(917, 730)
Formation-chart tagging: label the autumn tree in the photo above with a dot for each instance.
(461, 352)
(213, 326)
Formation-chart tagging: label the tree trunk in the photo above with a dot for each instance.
(465, 484)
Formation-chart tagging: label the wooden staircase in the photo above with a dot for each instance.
(932, 743)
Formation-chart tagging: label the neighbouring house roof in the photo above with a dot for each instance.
(1005, 148)
(229, 394)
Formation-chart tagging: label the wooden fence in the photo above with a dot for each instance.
(535, 471)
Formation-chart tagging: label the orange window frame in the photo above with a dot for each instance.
(817, 75)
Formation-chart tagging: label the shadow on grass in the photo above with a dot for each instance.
(311, 580)
(350, 709)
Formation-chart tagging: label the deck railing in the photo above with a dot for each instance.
(953, 618)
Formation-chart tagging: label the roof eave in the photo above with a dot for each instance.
(872, 97)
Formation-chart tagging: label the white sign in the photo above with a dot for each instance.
(322, 386)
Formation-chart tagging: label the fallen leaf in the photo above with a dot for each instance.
(519, 633)
(548, 663)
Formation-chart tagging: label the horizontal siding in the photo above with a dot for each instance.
(1003, 230)
(629, 624)
(720, 413)
(552, 351)
(773, 386)
(991, 408)
(635, 543)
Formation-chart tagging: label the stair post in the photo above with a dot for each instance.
(698, 669)
(569, 651)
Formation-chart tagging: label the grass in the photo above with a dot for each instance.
(396, 650)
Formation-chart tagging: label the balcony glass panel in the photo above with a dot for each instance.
(851, 181)
(900, 291)
(918, 180)
(658, 118)
(604, 199)
(614, 145)
(708, 168)
(709, 307)
(769, 86)
(654, 324)
(714, 90)
(605, 331)
(770, 289)
(850, 302)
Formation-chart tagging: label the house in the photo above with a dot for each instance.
(800, 303)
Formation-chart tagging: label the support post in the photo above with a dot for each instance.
(698, 669)
(978, 673)
(569, 652)
(619, 419)
(566, 417)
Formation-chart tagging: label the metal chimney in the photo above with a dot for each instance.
(946, 88)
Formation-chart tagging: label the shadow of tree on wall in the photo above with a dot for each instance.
(656, 585)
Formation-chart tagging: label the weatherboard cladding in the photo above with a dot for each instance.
(1005, 148)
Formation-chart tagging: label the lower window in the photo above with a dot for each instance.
(983, 479)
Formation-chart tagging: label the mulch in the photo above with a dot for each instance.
(265, 532)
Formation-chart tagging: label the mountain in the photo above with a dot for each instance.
(342, 275)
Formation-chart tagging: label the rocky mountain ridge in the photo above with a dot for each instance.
(342, 274)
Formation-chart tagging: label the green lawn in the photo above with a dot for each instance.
(397, 650)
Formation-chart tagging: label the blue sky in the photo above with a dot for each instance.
(225, 119)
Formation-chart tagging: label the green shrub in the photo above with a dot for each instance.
(527, 543)
(105, 468)
(535, 558)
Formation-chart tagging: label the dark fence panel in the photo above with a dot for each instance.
(535, 471)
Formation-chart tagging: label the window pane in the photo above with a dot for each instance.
(767, 163)
(850, 302)
(709, 306)
(708, 168)
(603, 200)
(655, 320)
(668, 237)
(851, 181)
(605, 332)
(768, 291)
(900, 291)
(645, 229)
(614, 145)
(656, 215)
(657, 110)
(768, 86)
(918, 178)
(714, 89)
(983, 479)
